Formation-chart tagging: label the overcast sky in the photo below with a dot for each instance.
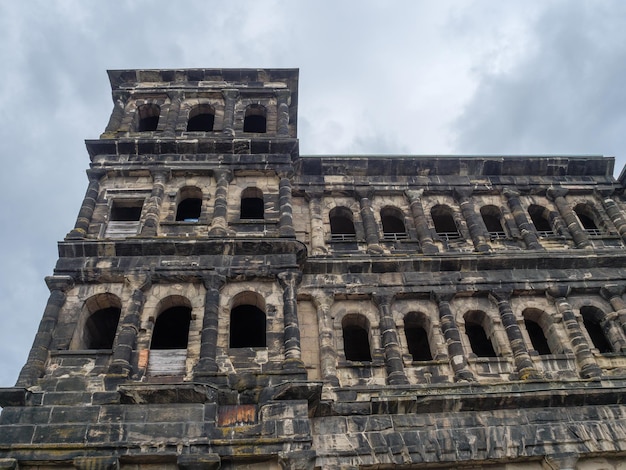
(420, 77)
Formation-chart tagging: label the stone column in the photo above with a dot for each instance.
(230, 99)
(220, 206)
(525, 367)
(129, 326)
(328, 353)
(421, 223)
(475, 225)
(207, 461)
(614, 323)
(89, 204)
(519, 214)
(283, 99)
(452, 335)
(36, 363)
(96, 463)
(615, 214)
(289, 281)
(208, 339)
(389, 339)
(176, 99)
(153, 207)
(369, 224)
(119, 104)
(297, 460)
(285, 224)
(318, 247)
(588, 367)
(580, 236)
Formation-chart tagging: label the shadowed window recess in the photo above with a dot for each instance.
(252, 204)
(255, 119)
(148, 117)
(356, 343)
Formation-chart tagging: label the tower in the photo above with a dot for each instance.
(223, 302)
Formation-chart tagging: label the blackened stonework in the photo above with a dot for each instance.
(224, 302)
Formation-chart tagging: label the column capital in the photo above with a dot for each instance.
(554, 192)
(414, 194)
(558, 292)
(314, 194)
(160, 173)
(289, 278)
(283, 95)
(445, 296)
(213, 280)
(605, 193)
(364, 193)
(511, 192)
(612, 290)
(463, 194)
(382, 299)
(58, 282)
(322, 300)
(199, 462)
(139, 281)
(95, 174)
(230, 93)
(96, 463)
(500, 295)
(223, 173)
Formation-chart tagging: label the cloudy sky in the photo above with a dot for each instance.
(421, 77)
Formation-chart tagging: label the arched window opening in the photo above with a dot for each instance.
(201, 119)
(537, 337)
(475, 330)
(587, 219)
(171, 329)
(444, 223)
(247, 327)
(539, 216)
(341, 224)
(492, 217)
(415, 330)
(252, 205)
(255, 119)
(148, 117)
(393, 224)
(591, 318)
(356, 344)
(100, 328)
(189, 204)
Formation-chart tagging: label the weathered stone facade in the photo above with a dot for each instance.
(223, 302)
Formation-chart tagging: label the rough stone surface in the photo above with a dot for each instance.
(223, 302)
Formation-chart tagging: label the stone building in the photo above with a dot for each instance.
(223, 302)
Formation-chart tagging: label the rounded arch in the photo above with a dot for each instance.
(443, 220)
(252, 204)
(102, 315)
(477, 324)
(593, 319)
(416, 330)
(392, 220)
(248, 322)
(540, 217)
(535, 321)
(189, 204)
(148, 117)
(356, 331)
(171, 328)
(588, 217)
(492, 217)
(341, 223)
(255, 119)
(201, 118)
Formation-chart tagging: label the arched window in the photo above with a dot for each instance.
(247, 321)
(171, 329)
(356, 344)
(341, 224)
(587, 217)
(475, 322)
(252, 205)
(100, 327)
(492, 217)
(537, 337)
(539, 216)
(415, 329)
(201, 119)
(189, 204)
(592, 318)
(444, 222)
(148, 117)
(393, 224)
(255, 119)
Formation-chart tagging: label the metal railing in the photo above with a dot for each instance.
(449, 236)
(594, 232)
(497, 235)
(343, 237)
(395, 236)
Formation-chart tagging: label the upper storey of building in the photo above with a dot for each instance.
(208, 111)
